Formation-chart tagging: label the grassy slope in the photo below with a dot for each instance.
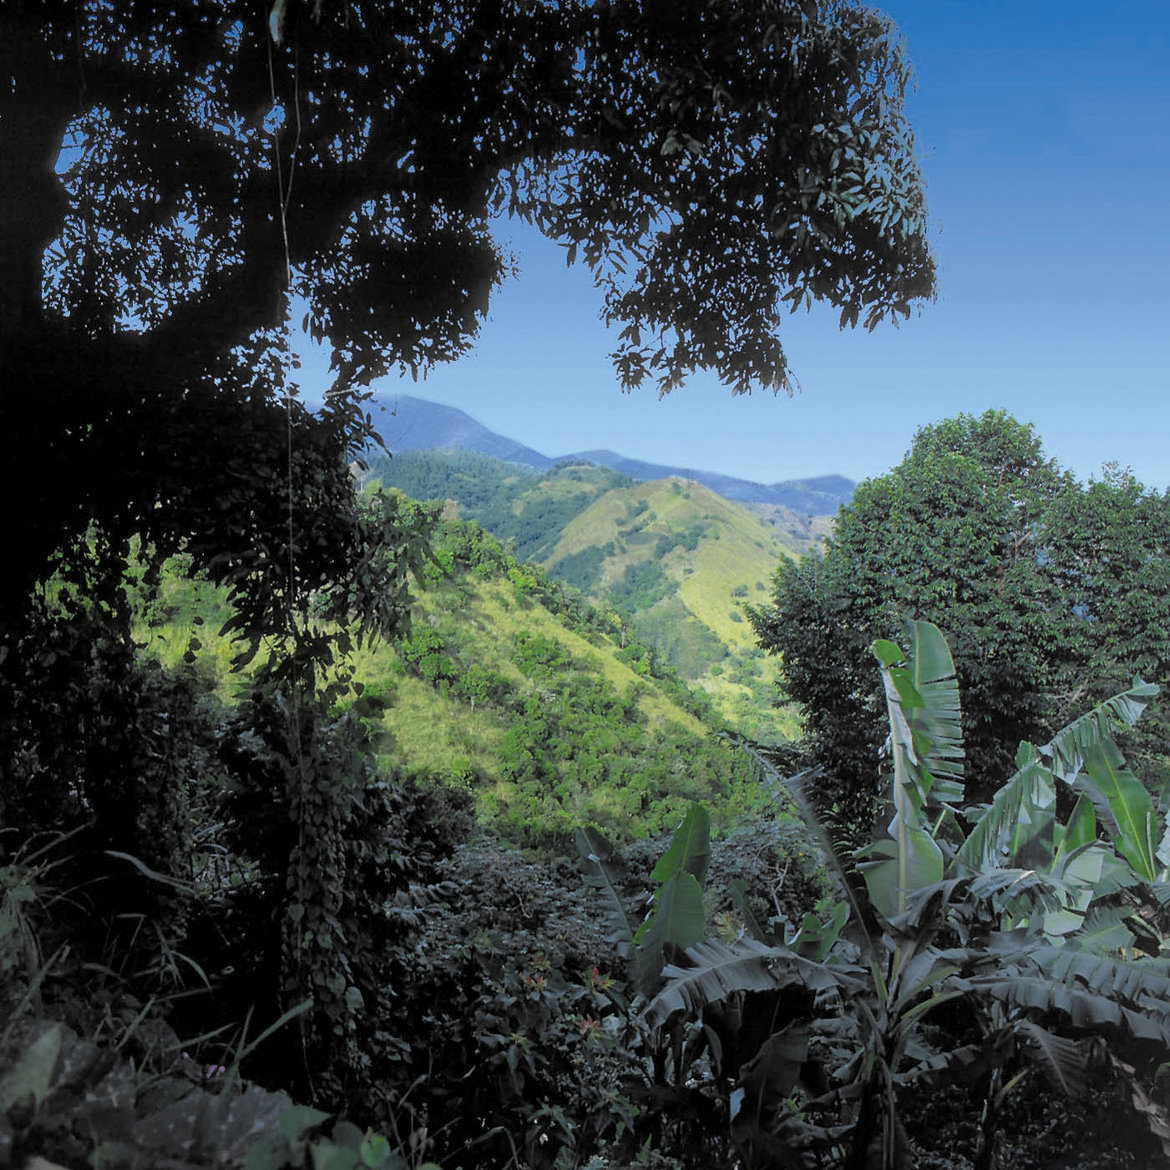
(633, 775)
(572, 519)
(439, 733)
(737, 549)
(448, 733)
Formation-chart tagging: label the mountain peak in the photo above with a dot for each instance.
(407, 423)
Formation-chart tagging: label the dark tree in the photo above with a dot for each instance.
(173, 177)
(1052, 596)
(170, 173)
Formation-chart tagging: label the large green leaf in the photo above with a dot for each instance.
(1021, 894)
(690, 847)
(680, 919)
(1078, 831)
(1143, 982)
(922, 702)
(1130, 806)
(893, 870)
(26, 1083)
(1067, 748)
(1094, 991)
(1104, 931)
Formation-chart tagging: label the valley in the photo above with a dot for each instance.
(681, 563)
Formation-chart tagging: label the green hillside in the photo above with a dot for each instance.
(509, 687)
(516, 504)
(683, 561)
(798, 532)
(679, 560)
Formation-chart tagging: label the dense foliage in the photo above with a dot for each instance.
(969, 946)
(179, 173)
(1051, 594)
(526, 509)
(194, 891)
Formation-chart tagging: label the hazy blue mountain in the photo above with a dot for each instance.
(817, 497)
(414, 424)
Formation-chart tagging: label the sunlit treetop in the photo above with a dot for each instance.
(172, 170)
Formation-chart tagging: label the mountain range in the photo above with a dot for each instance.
(407, 423)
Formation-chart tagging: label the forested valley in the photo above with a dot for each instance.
(338, 830)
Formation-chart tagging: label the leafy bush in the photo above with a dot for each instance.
(425, 651)
(643, 584)
(538, 655)
(981, 942)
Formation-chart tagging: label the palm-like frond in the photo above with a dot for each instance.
(1093, 991)
(1084, 1009)
(1065, 1062)
(964, 1065)
(1103, 930)
(922, 698)
(597, 857)
(1067, 748)
(1143, 982)
(719, 969)
(937, 724)
(1019, 892)
(1017, 826)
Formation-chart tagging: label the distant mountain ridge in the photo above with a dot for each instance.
(415, 424)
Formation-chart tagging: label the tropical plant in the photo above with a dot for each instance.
(1052, 595)
(1004, 915)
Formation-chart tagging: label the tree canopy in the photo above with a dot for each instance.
(1050, 592)
(171, 176)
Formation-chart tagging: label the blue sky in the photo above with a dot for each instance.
(1044, 130)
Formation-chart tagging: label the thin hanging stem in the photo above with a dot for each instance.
(284, 193)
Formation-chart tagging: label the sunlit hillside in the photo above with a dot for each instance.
(685, 562)
(545, 710)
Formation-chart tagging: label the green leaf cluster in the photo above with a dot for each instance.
(1008, 910)
(1052, 596)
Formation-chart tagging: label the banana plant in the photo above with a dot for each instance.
(926, 749)
(676, 918)
(999, 905)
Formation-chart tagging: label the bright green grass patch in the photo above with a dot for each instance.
(540, 715)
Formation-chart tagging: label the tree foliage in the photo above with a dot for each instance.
(982, 942)
(1052, 594)
(171, 177)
